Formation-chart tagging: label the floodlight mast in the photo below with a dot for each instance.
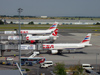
(19, 45)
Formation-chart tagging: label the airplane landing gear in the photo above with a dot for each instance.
(68, 51)
(60, 52)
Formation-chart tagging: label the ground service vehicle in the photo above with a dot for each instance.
(46, 64)
(87, 66)
(34, 60)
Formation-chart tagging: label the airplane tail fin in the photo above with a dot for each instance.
(86, 40)
(54, 32)
(54, 25)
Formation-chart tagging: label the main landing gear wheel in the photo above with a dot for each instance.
(60, 52)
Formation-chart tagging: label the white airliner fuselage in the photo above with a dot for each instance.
(41, 37)
(50, 30)
(53, 36)
(63, 46)
(32, 39)
(58, 47)
(37, 31)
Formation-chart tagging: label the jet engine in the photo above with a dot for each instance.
(54, 38)
(54, 51)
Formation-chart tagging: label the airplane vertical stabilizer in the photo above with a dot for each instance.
(54, 25)
(86, 40)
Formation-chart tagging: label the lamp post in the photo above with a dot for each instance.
(19, 11)
(96, 60)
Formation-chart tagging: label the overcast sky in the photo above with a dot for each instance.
(51, 7)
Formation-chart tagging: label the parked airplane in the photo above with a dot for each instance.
(32, 39)
(50, 30)
(51, 37)
(58, 47)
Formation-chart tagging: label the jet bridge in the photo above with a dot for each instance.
(9, 38)
(7, 47)
(8, 32)
(15, 31)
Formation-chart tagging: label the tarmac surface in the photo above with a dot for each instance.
(63, 31)
(88, 55)
(85, 55)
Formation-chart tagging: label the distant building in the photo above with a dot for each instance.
(43, 16)
(51, 21)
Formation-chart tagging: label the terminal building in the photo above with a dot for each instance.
(50, 21)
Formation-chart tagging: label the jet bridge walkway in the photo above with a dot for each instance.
(31, 47)
(9, 38)
(9, 32)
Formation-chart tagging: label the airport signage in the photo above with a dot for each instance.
(13, 37)
(27, 47)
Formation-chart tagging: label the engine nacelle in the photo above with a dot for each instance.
(32, 41)
(36, 52)
(55, 38)
(54, 51)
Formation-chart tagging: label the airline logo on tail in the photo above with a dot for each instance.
(54, 25)
(87, 39)
(55, 32)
